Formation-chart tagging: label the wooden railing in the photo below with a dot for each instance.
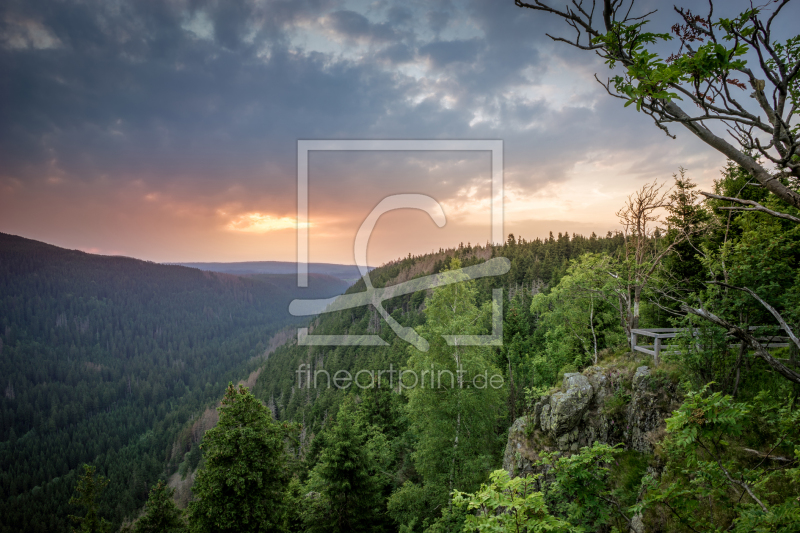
(659, 334)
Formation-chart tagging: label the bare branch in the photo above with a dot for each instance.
(744, 485)
(768, 456)
(755, 206)
(768, 307)
(746, 337)
(574, 43)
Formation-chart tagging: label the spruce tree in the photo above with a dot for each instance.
(89, 487)
(241, 487)
(161, 514)
(345, 496)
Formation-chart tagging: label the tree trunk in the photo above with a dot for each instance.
(458, 420)
(767, 180)
(591, 323)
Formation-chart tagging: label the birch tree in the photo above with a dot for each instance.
(579, 313)
(454, 407)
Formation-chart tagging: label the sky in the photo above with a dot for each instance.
(167, 130)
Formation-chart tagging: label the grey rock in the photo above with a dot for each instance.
(567, 407)
(640, 377)
(521, 451)
(578, 416)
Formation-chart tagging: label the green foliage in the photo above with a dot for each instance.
(713, 482)
(705, 352)
(574, 494)
(105, 360)
(576, 318)
(579, 490)
(615, 405)
(455, 409)
(535, 265)
(372, 459)
(652, 75)
(509, 506)
(648, 76)
(687, 225)
(241, 487)
(89, 487)
(413, 506)
(160, 513)
(344, 485)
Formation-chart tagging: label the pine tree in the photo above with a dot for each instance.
(347, 497)
(89, 487)
(161, 514)
(687, 224)
(241, 487)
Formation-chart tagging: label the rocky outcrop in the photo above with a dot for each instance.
(563, 410)
(608, 405)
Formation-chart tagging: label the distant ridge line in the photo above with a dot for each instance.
(346, 272)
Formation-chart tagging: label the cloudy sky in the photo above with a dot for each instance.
(167, 130)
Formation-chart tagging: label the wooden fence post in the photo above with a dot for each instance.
(657, 348)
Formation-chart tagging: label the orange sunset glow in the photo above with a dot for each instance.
(187, 151)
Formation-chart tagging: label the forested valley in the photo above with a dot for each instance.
(104, 359)
(646, 380)
(115, 369)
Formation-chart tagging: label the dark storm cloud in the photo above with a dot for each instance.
(398, 15)
(442, 53)
(355, 25)
(213, 91)
(132, 92)
(397, 54)
(132, 89)
(438, 20)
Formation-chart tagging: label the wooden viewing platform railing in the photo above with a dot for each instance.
(658, 334)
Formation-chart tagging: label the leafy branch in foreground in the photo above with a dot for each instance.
(572, 495)
(713, 483)
(707, 72)
(508, 505)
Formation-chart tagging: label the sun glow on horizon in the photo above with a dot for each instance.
(260, 223)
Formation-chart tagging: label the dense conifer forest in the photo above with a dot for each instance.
(114, 369)
(104, 359)
(378, 456)
(646, 380)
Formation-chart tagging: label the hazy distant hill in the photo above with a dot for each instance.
(346, 272)
(103, 359)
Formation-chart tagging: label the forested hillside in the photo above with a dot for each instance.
(335, 438)
(344, 272)
(641, 379)
(104, 359)
(536, 265)
(704, 439)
